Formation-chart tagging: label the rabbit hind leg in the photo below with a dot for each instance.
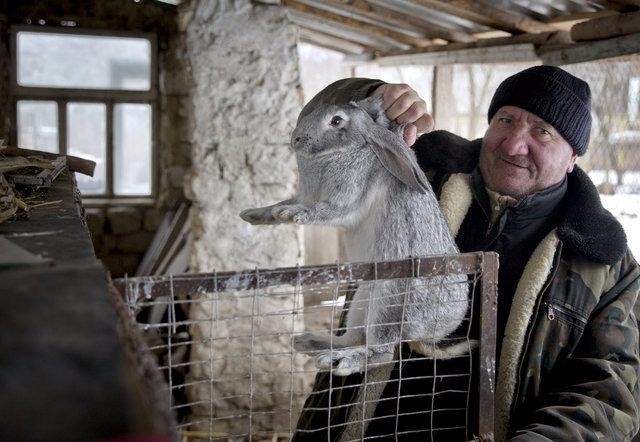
(352, 360)
(311, 342)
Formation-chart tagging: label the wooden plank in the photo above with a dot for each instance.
(189, 285)
(473, 52)
(355, 24)
(486, 14)
(607, 27)
(75, 164)
(496, 54)
(586, 15)
(582, 52)
(487, 351)
(556, 38)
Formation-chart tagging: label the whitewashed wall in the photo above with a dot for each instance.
(245, 99)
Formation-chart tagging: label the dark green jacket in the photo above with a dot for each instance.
(569, 364)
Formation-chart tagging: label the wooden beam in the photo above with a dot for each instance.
(594, 50)
(522, 52)
(587, 15)
(355, 24)
(488, 15)
(607, 27)
(545, 38)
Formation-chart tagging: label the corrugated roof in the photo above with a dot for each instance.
(392, 28)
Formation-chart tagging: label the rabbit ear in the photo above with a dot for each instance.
(396, 158)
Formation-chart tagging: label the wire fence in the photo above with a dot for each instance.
(224, 345)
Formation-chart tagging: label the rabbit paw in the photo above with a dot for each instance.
(347, 361)
(307, 342)
(294, 213)
(260, 215)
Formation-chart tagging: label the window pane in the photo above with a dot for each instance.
(83, 61)
(38, 125)
(132, 149)
(86, 138)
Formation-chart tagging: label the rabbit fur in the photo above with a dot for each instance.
(355, 171)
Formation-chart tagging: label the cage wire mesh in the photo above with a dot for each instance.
(223, 342)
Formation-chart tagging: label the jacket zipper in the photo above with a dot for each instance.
(551, 314)
(526, 346)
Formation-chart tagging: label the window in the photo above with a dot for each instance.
(92, 96)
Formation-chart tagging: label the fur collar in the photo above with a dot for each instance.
(586, 228)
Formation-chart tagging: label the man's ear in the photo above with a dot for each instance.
(572, 163)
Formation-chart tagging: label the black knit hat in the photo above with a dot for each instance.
(556, 96)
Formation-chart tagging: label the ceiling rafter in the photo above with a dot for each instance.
(355, 24)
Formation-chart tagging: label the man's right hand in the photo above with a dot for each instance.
(403, 105)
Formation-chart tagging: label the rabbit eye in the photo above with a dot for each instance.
(336, 120)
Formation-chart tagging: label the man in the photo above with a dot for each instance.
(568, 363)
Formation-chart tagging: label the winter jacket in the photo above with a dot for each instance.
(569, 361)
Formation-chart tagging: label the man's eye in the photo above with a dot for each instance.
(504, 120)
(336, 120)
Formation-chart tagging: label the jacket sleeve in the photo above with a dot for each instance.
(594, 394)
(342, 91)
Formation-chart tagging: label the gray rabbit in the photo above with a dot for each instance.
(355, 171)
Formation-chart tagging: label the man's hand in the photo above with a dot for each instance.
(403, 105)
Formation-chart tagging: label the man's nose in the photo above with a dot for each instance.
(516, 142)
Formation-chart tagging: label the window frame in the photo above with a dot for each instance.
(109, 97)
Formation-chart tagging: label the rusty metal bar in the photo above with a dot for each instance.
(149, 287)
(487, 350)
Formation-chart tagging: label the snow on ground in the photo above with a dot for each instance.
(626, 208)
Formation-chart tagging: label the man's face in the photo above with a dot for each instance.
(522, 154)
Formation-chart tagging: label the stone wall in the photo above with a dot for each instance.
(121, 235)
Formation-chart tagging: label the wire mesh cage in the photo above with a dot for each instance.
(224, 346)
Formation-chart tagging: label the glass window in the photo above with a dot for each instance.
(83, 61)
(132, 149)
(86, 138)
(38, 125)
